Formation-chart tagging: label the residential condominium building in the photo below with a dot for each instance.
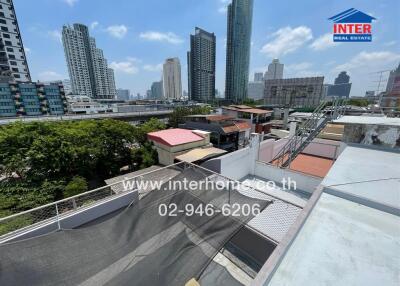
(275, 70)
(88, 69)
(157, 90)
(172, 83)
(123, 94)
(240, 14)
(294, 92)
(258, 76)
(341, 87)
(31, 99)
(12, 54)
(201, 66)
(255, 90)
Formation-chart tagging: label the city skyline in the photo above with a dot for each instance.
(136, 48)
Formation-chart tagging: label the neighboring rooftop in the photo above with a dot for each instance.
(200, 154)
(174, 137)
(343, 243)
(247, 109)
(376, 166)
(372, 120)
(349, 233)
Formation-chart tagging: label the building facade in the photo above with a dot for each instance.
(341, 87)
(294, 92)
(12, 54)
(157, 90)
(275, 70)
(201, 66)
(240, 14)
(172, 83)
(123, 94)
(31, 99)
(255, 90)
(258, 76)
(87, 67)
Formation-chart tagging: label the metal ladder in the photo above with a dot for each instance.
(308, 131)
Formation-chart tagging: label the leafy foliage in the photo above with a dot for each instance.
(358, 102)
(45, 161)
(177, 117)
(76, 186)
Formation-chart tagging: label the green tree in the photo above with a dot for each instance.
(149, 126)
(76, 186)
(178, 115)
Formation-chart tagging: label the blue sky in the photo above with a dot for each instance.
(136, 37)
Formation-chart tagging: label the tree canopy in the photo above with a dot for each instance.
(45, 161)
(178, 115)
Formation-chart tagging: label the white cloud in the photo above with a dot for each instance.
(169, 37)
(93, 25)
(70, 3)
(391, 43)
(298, 67)
(56, 35)
(27, 50)
(303, 69)
(153, 68)
(222, 9)
(287, 40)
(372, 60)
(49, 75)
(117, 31)
(324, 42)
(127, 66)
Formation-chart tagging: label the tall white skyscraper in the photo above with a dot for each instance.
(275, 70)
(12, 54)
(172, 83)
(88, 69)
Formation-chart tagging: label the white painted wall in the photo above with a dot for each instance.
(237, 164)
(304, 182)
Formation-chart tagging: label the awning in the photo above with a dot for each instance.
(200, 154)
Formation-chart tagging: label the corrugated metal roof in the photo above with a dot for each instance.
(200, 154)
(230, 129)
(242, 125)
(218, 117)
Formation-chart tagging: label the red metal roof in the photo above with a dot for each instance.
(174, 137)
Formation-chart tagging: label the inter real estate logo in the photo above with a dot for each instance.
(352, 26)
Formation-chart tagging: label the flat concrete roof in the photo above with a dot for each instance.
(374, 120)
(343, 243)
(365, 168)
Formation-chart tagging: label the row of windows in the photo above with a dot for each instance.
(26, 89)
(6, 103)
(6, 89)
(32, 110)
(8, 110)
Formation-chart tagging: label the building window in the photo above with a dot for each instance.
(4, 29)
(7, 36)
(10, 49)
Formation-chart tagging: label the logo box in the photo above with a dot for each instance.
(352, 26)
